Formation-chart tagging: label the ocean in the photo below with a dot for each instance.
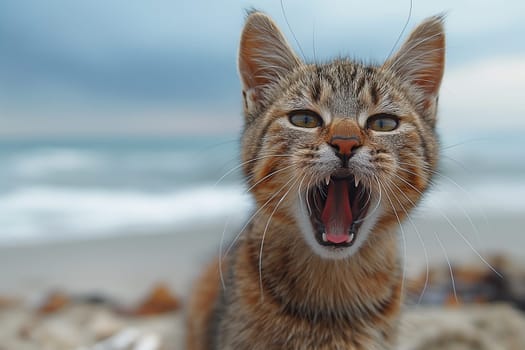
(53, 190)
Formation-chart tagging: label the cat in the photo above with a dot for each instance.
(335, 155)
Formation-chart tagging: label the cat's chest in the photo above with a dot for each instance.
(273, 333)
(269, 325)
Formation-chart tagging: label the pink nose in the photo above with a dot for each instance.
(344, 145)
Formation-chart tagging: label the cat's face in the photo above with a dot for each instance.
(339, 150)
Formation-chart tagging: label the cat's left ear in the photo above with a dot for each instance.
(420, 62)
(264, 57)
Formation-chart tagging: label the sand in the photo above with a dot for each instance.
(124, 268)
(488, 327)
(89, 327)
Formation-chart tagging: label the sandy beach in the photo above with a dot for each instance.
(122, 270)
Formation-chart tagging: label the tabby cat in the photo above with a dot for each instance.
(334, 155)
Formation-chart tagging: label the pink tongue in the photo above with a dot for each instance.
(337, 214)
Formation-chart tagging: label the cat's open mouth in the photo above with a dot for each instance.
(337, 210)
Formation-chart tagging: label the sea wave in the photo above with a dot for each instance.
(116, 168)
(37, 163)
(55, 213)
(51, 213)
(67, 190)
(475, 198)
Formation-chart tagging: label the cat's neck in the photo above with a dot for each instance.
(306, 283)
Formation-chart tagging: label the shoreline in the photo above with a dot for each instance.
(123, 265)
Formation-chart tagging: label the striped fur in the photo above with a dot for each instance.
(282, 289)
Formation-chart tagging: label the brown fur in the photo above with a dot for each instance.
(280, 292)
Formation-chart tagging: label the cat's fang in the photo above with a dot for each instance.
(327, 180)
(356, 183)
(324, 237)
(350, 238)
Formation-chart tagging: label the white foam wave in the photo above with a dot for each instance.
(50, 213)
(505, 196)
(52, 160)
(46, 213)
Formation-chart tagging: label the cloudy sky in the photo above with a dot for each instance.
(130, 67)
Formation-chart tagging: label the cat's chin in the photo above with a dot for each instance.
(337, 216)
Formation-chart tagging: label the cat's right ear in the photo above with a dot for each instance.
(264, 58)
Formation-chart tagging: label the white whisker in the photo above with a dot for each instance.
(301, 203)
(471, 199)
(221, 275)
(307, 197)
(221, 243)
(402, 235)
(371, 213)
(425, 252)
(449, 266)
(445, 216)
(254, 215)
(268, 176)
(246, 162)
(264, 235)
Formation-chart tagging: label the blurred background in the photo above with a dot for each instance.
(119, 129)
(119, 118)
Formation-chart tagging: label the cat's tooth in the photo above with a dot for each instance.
(357, 180)
(350, 238)
(324, 237)
(327, 180)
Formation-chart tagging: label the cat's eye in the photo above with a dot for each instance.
(382, 122)
(305, 119)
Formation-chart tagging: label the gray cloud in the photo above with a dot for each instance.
(61, 56)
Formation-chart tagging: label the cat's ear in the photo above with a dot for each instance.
(264, 57)
(421, 60)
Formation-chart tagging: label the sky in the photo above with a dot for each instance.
(166, 68)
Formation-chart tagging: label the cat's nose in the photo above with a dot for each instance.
(345, 147)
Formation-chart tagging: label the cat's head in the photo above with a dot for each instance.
(340, 149)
